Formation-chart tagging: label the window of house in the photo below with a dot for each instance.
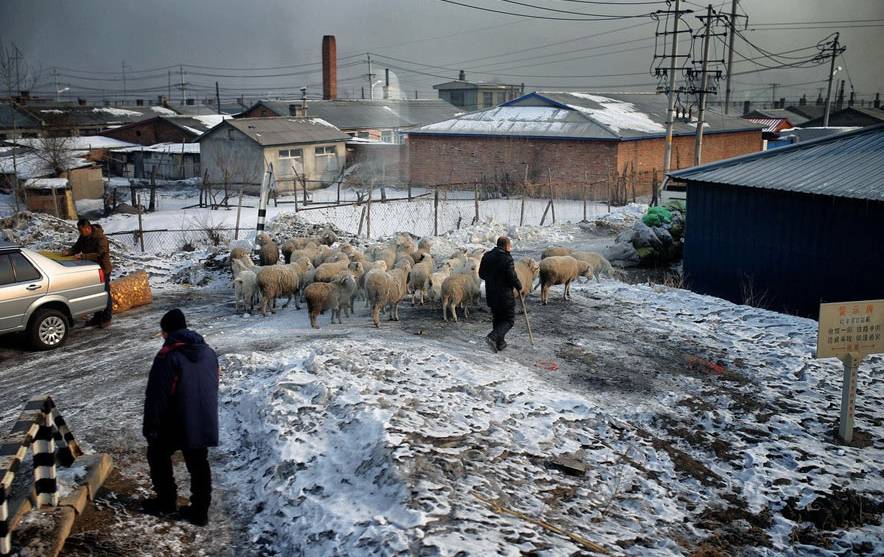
(487, 98)
(326, 159)
(291, 160)
(457, 98)
(388, 136)
(501, 97)
(363, 135)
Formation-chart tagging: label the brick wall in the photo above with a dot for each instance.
(647, 154)
(150, 132)
(454, 160)
(450, 159)
(257, 112)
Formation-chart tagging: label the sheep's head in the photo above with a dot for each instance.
(532, 265)
(262, 238)
(584, 268)
(356, 267)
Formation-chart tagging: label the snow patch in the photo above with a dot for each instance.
(617, 115)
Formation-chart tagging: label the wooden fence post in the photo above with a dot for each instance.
(436, 211)
(152, 200)
(368, 212)
(238, 210)
(476, 202)
(140, 225)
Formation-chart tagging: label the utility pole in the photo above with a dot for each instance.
(123, 66)
(701, 112)
(670, 111)
(831, 75)
(183, 94)
(370, 76)
(773, 94)
(57, 90)
(217, 97)
(169, 89)
(730, 55)
(16, 57)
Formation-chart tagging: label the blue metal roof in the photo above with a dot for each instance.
(844, 165)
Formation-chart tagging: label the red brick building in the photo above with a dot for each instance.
(577, 138)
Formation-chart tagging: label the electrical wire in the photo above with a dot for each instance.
(605, 16)
(534, 16)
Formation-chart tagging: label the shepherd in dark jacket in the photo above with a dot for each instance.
(92, 245)
(499, 273)
(181, 413)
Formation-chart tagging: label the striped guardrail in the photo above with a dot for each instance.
(39, 426)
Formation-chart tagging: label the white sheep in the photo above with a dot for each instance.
(381, 265)
(276, 281)
(239, 265)
(305, 245)
(419, 278)
(597, 262)
(384, 288)
(461, 289)
(245, 287)
(267, 252)
(328, 271)
(436, 279)
(527, 270)
(561, 269)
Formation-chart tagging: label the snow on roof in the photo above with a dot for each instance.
(210, 120)
(173, 148)
(52, 111)
(618, 115)
(46, 183)
(79, 143)
(31, 165)
(116, 111)
(570, 115)
(163, 110)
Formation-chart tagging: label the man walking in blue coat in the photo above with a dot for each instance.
(181, 413)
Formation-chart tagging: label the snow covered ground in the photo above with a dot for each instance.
(647, 420)
(394, 443)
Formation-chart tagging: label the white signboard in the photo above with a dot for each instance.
(849, 331)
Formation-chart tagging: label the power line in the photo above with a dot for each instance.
(606, 16)
(772, 23)
(534, 16)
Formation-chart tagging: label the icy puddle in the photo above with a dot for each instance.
(412, 446)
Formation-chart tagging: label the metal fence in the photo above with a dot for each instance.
(167, 241)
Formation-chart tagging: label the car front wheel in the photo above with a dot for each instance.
(48, 329)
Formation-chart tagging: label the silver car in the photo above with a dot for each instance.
(44, 297)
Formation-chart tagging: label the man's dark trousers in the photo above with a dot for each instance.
(502, 319)
(106, 315)
(159, 458)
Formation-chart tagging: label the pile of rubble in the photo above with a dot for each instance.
(655, 239)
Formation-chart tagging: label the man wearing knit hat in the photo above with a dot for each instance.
(181, 413)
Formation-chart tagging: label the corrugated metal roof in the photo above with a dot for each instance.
(844, 165)
(771, 125)
(285, 131)
(793, 117)
(572, 115)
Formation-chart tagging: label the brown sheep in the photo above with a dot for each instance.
(599, 265)
(561, 269)
(267, 252)
(556, 251)
(334, 295)
(384, 288)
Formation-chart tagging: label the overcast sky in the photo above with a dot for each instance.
(99, 35)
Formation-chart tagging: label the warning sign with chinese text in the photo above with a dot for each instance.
(851, 327)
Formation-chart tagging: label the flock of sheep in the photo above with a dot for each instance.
(330, 275)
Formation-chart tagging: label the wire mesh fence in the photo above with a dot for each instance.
(375, 211)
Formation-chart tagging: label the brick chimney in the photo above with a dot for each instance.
(462, 76)
(329, 68)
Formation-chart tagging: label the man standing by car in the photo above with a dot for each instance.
(498, 271)
(181, 413)
(93, 246)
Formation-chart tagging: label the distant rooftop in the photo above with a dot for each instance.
(286, 131)
(572, 115)
(353, 114)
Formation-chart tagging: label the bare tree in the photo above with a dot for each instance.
(55, 152)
